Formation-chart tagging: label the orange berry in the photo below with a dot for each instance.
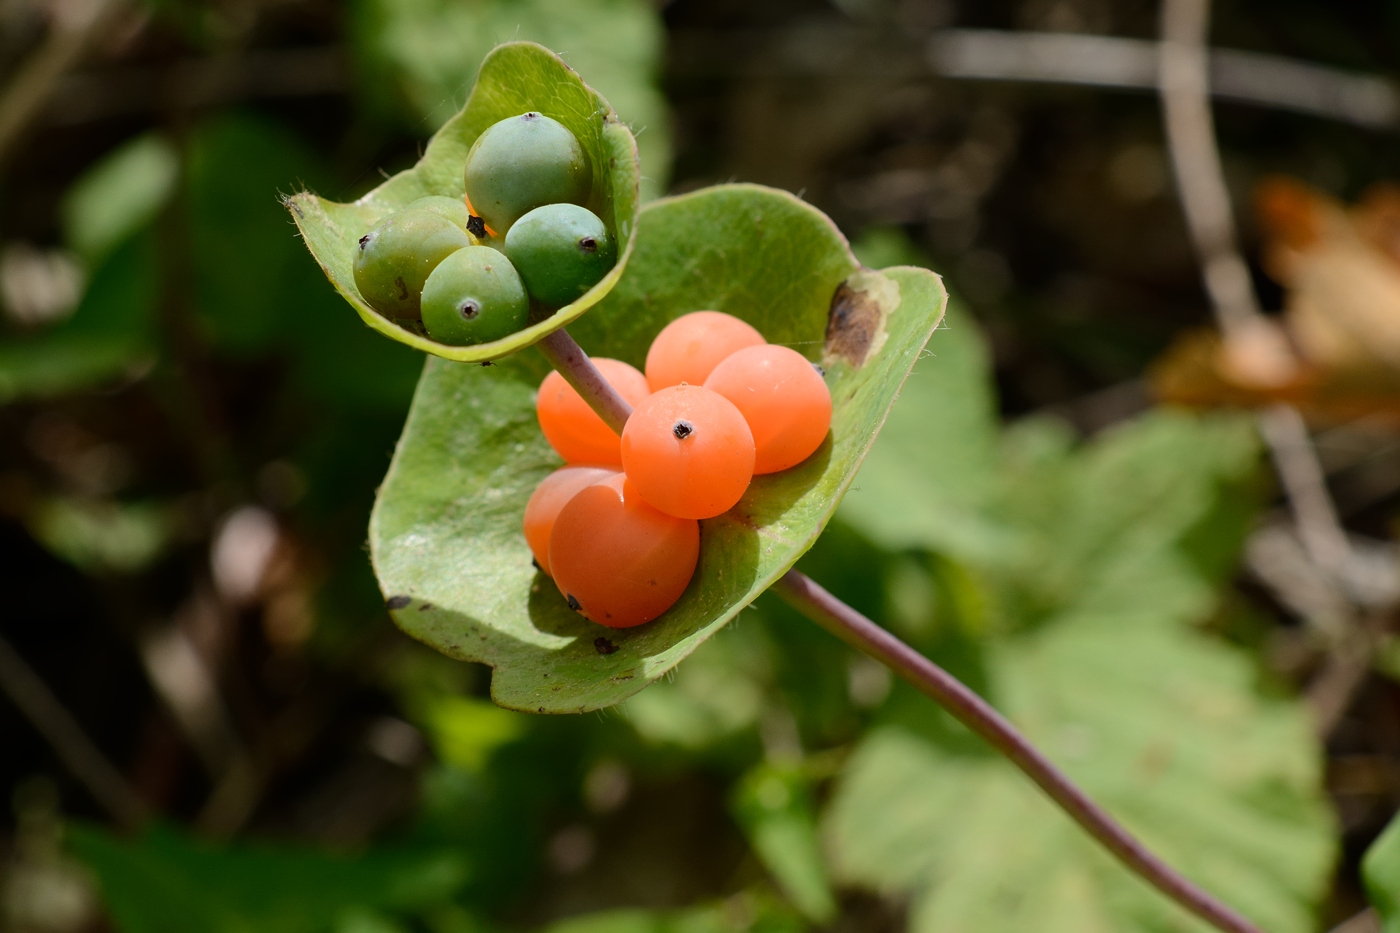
(572, 428)
(783, 398)
(616, 559)
(689, 452)
(551, 495)
(693, 344)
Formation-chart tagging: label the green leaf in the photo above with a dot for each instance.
(446, 528)
(429, 50)
(102, 535)
(746, 912)
(1160, 727)
(516, 77)
(935, 464)
(118, 196)
(1381, 870)
(1095, 659)
(165, 883)
(773, 804)
(466, 731)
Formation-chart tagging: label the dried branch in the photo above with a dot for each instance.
(76, 25)
(1133, 64)
(58, 727)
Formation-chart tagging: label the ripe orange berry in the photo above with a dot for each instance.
(783, 398)
(572, 428)
(616, 559)
(693, 344)
(551, 495)
(689, 452)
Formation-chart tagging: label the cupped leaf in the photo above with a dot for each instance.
(515, 78)
(1381, 870)
(445, 535)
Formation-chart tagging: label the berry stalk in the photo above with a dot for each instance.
(952, 694)
(568, 358)
(978, 715)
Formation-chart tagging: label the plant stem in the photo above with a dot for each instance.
(949, 692)
(978, 715)
(568, 358)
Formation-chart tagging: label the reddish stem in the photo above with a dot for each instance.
(978, 715)
(569, 360)
(970, 709)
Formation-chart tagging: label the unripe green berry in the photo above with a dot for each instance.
(522, 163)
(394, 259)
(474, 296)
(560, 251)
(454, 209)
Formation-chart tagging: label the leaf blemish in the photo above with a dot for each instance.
(855, 325)
(398, 602)
(603, 645)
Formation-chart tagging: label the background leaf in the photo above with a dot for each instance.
(164, 883)
(514, 78)
(1381, 870)
(445, 532)
(1115, 550)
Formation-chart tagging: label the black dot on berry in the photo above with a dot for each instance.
(820, 370)
(403, 289)
(364, 241)
(682, 430)
(469, 310)
(574, 604)
(532, 115)
(588, 244)
(476, 226)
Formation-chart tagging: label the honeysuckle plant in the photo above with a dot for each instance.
(445, 535)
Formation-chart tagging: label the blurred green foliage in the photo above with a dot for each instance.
(1381, 870)
(165, 883)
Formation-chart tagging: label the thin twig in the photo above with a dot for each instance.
(979, 716)
(71, 34)
(52, 720)
(568, 358)
(1185, 90)
(1132, 64)
(1303, 480)
(974, 712)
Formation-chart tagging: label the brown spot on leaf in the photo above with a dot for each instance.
(604, 646)
(398, 602)
(425, 607)
(852, 324)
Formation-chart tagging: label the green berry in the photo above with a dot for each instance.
(474, 296)
(560, 251)
(454, 209)
(522, 163)
(395, 258)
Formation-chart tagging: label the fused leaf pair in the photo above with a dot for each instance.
(516, 78)
(445, 534)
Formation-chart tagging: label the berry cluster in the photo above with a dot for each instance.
(618, 527)
(468, 271)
